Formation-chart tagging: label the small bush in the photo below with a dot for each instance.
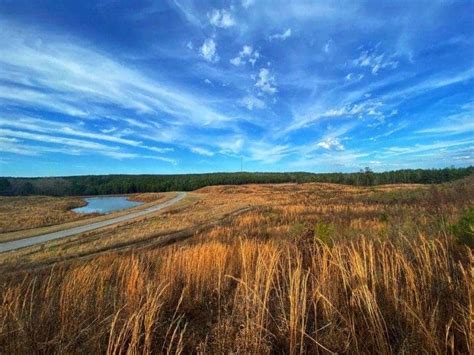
(297, 230)
(464, 230)
(323, 232)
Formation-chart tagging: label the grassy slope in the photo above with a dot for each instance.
(310, 268)
(23, 217)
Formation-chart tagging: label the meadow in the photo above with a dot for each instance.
(22, 217)
(19, 213)
(256, 269)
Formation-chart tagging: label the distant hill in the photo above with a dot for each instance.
(121, 184)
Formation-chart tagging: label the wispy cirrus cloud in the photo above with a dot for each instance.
(375, 61)
(202, 151)
(268, 153)
(458, 123)
(62, 77)
(292, 85)
(281, 36)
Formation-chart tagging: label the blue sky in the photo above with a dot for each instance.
(192, 86)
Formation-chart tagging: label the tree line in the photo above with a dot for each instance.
(122, 184)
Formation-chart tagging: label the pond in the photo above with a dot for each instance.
(106, 204)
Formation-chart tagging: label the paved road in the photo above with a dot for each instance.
(22, 243)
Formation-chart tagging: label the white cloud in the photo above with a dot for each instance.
(266, 81)
(327, 47)
(98, 147)
(458, 123)
(375, 61)
(108, 130)
(430, 84)
(202, 151)
(333, 159)
(221, 18)
(252, 102)
(65, 77)
(281, 36)
(419, 148)
(246, 51)
(247, 54)
(208, 50)
(237, 61)
(247, 3)
(68, 146)
(159, 150)
(55, 128)
(231, 145)
(354, 77)
(190, 45)
(268, 153)
(189, 11)
(369, 109)
(331, 144)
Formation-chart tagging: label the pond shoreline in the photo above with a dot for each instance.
(106, 204)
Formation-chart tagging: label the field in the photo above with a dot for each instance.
(288, 268)
(22, 217)
(19, 213)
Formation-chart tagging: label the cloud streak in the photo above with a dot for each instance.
(299, 85)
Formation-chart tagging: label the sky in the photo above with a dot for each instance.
(182, 86)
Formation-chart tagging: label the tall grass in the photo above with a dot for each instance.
(258, 285)
(248, 296)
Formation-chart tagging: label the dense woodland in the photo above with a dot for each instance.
(120, 184)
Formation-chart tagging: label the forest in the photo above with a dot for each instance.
(122, 184)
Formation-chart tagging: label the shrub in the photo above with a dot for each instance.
(297, 230)
(464, 230)
(323, 232)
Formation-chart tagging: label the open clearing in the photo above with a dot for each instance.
(87, 227)
(283, 268)
(16, 212)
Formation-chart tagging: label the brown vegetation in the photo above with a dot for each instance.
(22, 217)
(18, 213)
(312, 268)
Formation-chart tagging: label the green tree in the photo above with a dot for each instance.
(464, 230)
(4, 186)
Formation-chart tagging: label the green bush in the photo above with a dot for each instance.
(323, 232)
(464, 230)
(297, 230)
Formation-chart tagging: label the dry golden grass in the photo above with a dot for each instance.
(310, 269)
(17, 213)
(249, 297)
(147, 197)
(43, 210)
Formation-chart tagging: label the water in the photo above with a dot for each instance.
(106, 204)
(39, 239)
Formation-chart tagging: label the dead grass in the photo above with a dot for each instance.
(18, 213)
(37, 208)
(387, 278)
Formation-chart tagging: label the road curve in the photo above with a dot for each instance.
(22, 243)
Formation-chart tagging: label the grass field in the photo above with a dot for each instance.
(309, 268)
(22, 217)
(19, 213)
